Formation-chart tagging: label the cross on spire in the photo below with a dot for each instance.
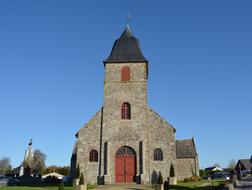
(30, 143)
(128, 20)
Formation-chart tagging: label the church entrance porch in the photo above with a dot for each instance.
(125, 165)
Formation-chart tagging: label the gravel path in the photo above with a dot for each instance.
(124, 187)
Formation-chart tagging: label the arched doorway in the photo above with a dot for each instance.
(125, 165)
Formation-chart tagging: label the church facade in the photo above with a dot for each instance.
(126, 141)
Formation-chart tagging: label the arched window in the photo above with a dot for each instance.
(93, 156)
(125, 150)
(125, 111)
(158, 155)
(125, 74)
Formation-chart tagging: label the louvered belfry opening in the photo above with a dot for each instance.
(125, 111)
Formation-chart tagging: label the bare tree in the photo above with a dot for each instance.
(5, 166)
(65, 170)
(217, 165)
(232, 164)
(38, 162)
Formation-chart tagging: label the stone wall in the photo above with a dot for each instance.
(197, 166)
(119, 132)
(161, 136)
(88, 139)
(144, 132)
(187, 167)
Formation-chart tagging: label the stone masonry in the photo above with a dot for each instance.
(144, 132)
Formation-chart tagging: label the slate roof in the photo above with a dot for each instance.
(185, 148)
(16, 170)
(126, 49)
(214, 168)
(53, 174)
(245, 164)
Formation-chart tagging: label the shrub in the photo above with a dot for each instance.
(172, 172)
(195, 178)
(50, 180)
(160, 178)
(81, 182)
(166, 185)
(61, 186)
(77, 174)
(202, 173)
(192, 179)
(186, 180)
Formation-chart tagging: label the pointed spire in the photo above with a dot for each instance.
(127, 32)
(126, 49)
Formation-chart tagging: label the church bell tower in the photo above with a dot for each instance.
(125, 105)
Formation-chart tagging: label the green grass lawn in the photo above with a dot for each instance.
(201, 185)
(39, 188)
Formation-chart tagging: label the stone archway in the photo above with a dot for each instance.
(125, 165)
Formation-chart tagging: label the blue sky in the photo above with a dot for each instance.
(51, 71)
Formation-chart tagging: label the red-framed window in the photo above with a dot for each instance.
(126, 111)
(93, 156)
(158, 155)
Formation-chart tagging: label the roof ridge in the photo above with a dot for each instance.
(184, 140)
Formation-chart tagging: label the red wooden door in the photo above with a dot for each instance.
(125, 165)
(119, 168)
(129, 169)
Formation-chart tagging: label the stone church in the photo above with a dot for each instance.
(28, 157)
(126, 141)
